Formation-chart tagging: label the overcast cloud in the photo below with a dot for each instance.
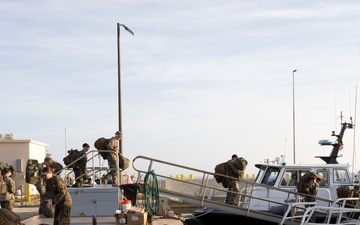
(201, 80)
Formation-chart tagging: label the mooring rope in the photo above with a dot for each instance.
(151, 193)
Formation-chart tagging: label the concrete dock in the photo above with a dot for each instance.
(30, 216)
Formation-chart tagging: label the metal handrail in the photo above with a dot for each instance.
(337, 209)
(246, 193)
(93, 170)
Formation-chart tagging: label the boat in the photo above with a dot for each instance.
(263, 201)
(286, 176)
(276, 182)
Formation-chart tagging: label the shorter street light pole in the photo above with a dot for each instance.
(293, 114)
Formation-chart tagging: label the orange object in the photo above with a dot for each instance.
(125, 205)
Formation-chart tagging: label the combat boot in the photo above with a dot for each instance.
(104, 180)
(115, 183)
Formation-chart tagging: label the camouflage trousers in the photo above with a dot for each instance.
(79, 171)
(233, 187)
(62, 214)
(112, 158)
(309, 199)
(7, 204)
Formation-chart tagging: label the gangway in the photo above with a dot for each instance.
(95, 168)
(202, 192)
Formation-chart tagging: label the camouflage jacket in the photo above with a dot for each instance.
(233, 171)
(10, 189)
(57, 191)
(113, 144)
(83, 160)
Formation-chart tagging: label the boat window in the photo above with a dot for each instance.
(290, 177)
(260, 174)
(341, 176)
(324, 176)
(270, 176)
(302, 172)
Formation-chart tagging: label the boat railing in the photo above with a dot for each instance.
(291, 214)
(201, 191)
(345, 210)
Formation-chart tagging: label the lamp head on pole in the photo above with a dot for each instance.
(294, 71)
(127, 29)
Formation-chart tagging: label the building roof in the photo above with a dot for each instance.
(24, 141)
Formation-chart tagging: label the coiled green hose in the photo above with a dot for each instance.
(151, 193)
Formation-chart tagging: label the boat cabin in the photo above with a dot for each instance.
(280, 175)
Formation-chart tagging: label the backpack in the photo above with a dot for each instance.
(73, 155)
(222, 169)
(123, 162)
(344, 192)
(2, 186)
(100, 144)
(32, 171)
(8, 217)
(241, 163)
(302, 186)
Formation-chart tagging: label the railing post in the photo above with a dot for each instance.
(93, 168)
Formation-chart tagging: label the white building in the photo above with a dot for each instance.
(17, 152)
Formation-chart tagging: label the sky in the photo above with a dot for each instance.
(201, 80)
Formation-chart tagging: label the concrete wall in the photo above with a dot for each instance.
(17, 152)
(190, 189)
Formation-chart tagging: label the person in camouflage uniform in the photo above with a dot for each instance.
(7, 199)
(112, 158)
(40, 186)
(309, 185)
(80, 167)
(58, 195)
(233, 184)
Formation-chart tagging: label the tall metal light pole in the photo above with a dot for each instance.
(294, 114)
(119, 78)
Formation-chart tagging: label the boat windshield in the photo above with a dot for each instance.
(270, 176)
(260, 174)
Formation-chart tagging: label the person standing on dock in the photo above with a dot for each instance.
(112, 158)
(57, 195)
(7, 198)
(233, 185)
(41, 186)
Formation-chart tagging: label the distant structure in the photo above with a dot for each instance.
(17, 152)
